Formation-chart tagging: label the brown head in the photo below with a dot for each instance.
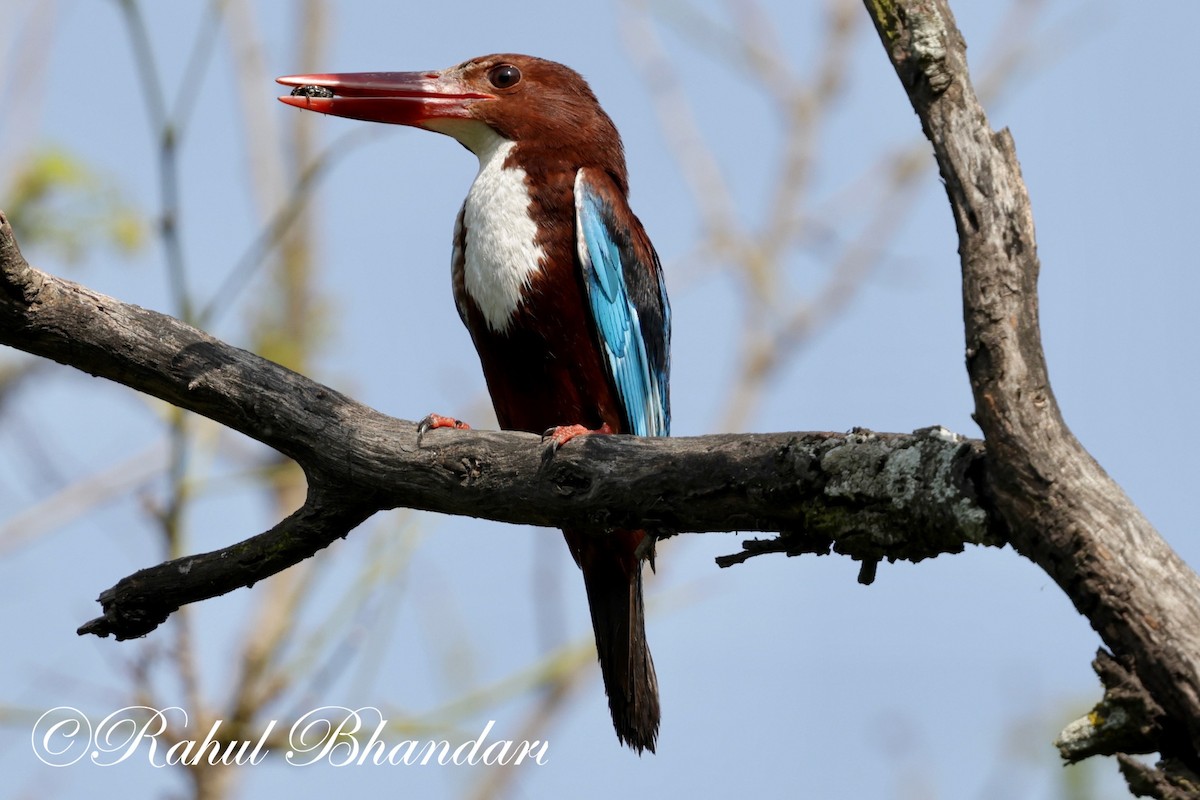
(546, 108)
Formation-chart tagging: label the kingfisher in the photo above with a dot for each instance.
(560, 289)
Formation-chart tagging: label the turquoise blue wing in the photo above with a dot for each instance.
(627, 301)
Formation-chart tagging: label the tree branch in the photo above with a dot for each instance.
(1063, 511)
(867, 495)
(138, 604)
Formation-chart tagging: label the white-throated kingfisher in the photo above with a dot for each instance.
(561, 291)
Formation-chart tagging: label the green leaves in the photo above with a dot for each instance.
(59, 202)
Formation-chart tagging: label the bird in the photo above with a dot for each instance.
(560, 289)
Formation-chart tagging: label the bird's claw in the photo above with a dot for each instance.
(438, 421)
(561, 434)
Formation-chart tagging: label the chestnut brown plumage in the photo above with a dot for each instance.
(561, 291)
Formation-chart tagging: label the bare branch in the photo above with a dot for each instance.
(871, 496)
(143, 601)
(1063, 511)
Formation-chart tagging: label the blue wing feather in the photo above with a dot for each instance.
(628, 303)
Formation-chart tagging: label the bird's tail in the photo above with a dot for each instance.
(612, 575)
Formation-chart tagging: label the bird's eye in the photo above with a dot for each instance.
(504, 76)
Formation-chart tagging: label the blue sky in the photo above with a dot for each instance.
(947, 678)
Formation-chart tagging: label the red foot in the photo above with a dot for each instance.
(438, 421)
(562, 434)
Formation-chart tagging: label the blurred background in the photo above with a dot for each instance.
(811, 260)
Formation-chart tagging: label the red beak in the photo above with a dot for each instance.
(399, 98)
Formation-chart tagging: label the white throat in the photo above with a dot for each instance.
(501, 250)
